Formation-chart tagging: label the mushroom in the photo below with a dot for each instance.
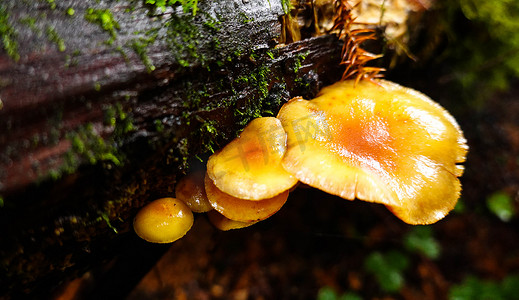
(163, 221)
(191, 190)
(240, 209)
(249, 167)
(223, 223)
(378, 142)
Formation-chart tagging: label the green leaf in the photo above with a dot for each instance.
(420, 240)
(501, 204)
(326, 293)
(473, 288)
(510, 287)
(387, 269)
(350, 296)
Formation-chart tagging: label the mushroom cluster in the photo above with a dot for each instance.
(374, 141)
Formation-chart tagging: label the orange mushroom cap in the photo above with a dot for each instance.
(243, 210)
(163, 221)
(223, 223)
(378, 142)
(249, 167)
(191, 190)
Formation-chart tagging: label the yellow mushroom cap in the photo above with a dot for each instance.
(191, 190)
(163, 221)
(379, 142)
(249, 167)
(223, 223)
(243, 210)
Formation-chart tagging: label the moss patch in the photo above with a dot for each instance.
(89, 147)
(8, 35)
(105, 19)
(187, 5)
(54, 37)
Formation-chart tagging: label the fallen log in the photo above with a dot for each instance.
(106, 104)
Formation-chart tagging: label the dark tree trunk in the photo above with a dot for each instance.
(99, 120)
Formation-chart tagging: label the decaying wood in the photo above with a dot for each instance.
(94, 126)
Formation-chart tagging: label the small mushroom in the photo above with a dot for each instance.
(378, 142)
(249, 167)
(242, 210)
(223, 223)
(163, 221)
(191, 190)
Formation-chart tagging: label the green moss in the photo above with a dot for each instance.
(287, 6)
(71, 59)
(260, 80)
(52, 4)
(70, 11)
(263, 103)
(245, 19)
(8, 35)
(213, 24)
(299, 59)
(183, 39)
(187, 5)
(159, 127)
(109, 116)
(54, 37)
(139, 46)
(194, 96)
(88, 147)
(123, 123)
(31, 23)
(209, 133)
(105, 19)
(104, 216)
